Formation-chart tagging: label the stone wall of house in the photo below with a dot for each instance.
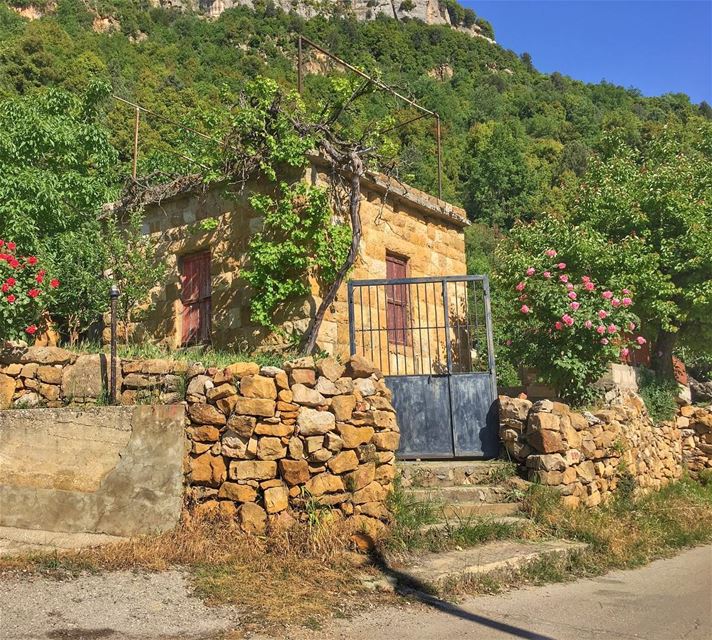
(587, 456)
(261, 443)
(395, 218)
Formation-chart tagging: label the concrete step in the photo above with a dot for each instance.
(465, 493)
(452, 473)
(433, 571)
(464, 510)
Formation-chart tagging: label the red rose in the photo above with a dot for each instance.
(32, 260)
(2, 242)
(11, 298)
(11, 246)
(5, 287)
(11, 282)
(33, 293)
(32, 329)
(39, 278)
(13, 263)
(54, 283)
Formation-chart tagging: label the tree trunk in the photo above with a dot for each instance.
(662, 358)
(309, 343)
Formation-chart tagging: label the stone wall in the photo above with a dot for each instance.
(695, 424)
(262, 444)
(587, 456)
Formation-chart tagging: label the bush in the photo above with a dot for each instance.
(659, 395)
(25, 290)
(567, 326)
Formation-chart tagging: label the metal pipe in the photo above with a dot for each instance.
(299, 65)
(114, 296)
(137, 122)
(440, 157)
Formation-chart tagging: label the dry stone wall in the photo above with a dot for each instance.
(263, 444)
(588, 456)
(695, 424)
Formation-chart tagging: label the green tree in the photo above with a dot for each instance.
(652, 204)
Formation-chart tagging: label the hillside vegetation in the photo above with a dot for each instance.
(512, 136)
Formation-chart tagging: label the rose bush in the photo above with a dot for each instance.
(569, 326)
(25, 292)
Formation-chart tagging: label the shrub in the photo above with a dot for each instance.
(25, 289)
(568, 327)
(659, 395)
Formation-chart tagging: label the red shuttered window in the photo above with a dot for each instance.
(396, 300)
(195, 295)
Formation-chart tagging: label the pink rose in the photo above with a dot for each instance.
(602, 314)
(551, 253)
(627, 302)
(575, 305)
(567, 319)
(612, 328)
(558, 326)
(547, 274)
(564, 278)
(569, 286)
(524, 309)
(572, 295)
(604, 340)
(561, 265)
(585, 279)
(607, 295)
(589, 286)
(588, 324)
(531, 271)
(640, 340)
(631, 326)
(626, 292)
(600, 329)
(624, 352)
(616, 302)
(521, 286)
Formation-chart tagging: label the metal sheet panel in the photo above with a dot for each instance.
(474, 417)
(423, 407)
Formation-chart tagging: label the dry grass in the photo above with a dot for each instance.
(295, 577)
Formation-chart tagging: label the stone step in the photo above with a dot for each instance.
(465, 493)
(434, 571)
(452, 473)
(464, 510)
(447, 525)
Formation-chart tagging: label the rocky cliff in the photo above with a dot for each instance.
(443, 12)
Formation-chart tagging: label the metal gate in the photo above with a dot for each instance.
(432, 339)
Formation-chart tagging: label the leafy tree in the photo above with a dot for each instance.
(652, 205)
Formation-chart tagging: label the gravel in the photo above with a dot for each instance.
(113, 605)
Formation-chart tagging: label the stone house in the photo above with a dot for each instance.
(203, 235)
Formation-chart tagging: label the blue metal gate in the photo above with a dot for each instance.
(432, 339)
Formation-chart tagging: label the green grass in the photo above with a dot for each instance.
(659, 396)
(208, 356)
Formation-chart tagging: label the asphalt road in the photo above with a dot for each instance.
(667, 600)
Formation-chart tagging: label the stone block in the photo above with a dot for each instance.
(261, 407)
(354, 436)
(330, 368)
(240, 369)
(305, 396)
(269, 448)
(237, 492)
(312, 422)
(206, 414)
(324, 483)
(342, 462)
(276, 499)
(255, 386)
(252, 518)
(294, 472)
(253, 470)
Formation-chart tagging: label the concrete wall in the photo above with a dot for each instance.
(112, 470)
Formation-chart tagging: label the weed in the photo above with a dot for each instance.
(502, 471)
(704, 477)
(659, 396)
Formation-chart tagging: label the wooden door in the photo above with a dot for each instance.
(396, 300)
(196, 294)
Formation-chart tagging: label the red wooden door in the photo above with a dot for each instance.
(396, 300)
(195, 295)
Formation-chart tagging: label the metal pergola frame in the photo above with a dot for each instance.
(301, 40)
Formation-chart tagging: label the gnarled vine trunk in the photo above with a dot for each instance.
(356, 167)
(662, 358)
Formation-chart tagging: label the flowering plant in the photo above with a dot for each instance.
(25, 289)
(569, 327)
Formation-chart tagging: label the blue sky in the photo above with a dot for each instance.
(658, 46)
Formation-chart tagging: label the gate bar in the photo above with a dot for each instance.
(425, 279)
(490, 337)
